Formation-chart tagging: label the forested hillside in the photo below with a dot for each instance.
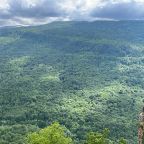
(85, 75)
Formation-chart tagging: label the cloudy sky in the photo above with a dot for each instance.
(35, 12)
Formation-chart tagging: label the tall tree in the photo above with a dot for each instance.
(98, 138)
(53, 134)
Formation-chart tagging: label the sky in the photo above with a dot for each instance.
(36, 12)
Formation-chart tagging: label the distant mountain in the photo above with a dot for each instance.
(86, 75)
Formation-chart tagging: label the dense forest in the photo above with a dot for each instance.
(87, 76)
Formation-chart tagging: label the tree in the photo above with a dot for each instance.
(53, 134)
(122, 141)
(98, 138)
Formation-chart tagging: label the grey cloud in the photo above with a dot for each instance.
(45, 8)
(120, 11)
(19, 12)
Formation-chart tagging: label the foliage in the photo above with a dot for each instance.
(53, 134)
(86, 75)
(98, 138)
(122, 141)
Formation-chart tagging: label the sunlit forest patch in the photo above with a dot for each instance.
(7, 39)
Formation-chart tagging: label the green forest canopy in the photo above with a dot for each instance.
(56, 134)
(88, 76)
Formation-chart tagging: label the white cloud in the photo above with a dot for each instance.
(3, 4)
